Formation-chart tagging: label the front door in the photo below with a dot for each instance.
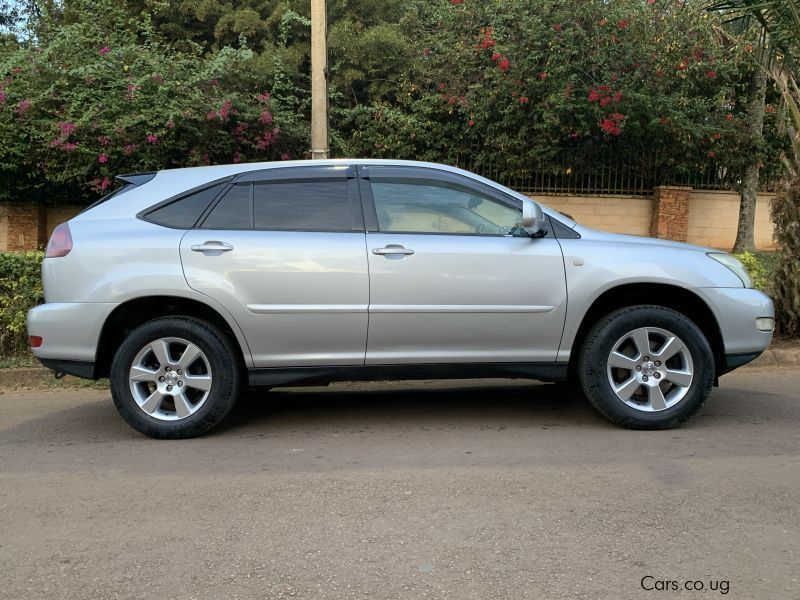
(283, 250)
(453, 275)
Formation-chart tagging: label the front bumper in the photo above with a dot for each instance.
(70, 332)
(736, 310)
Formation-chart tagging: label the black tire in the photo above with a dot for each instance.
(223, 364)
(594, 357)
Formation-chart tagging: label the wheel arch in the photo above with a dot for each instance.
(134, 312)
(675, 297)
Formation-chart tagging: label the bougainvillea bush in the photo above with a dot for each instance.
(97, 97)
(527, 81)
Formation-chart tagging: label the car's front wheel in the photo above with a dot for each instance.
(646, 367)
(175, 377)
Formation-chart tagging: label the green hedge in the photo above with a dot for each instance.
(20, 289)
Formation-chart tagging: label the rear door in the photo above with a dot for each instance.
(283, 250)
(453, 276)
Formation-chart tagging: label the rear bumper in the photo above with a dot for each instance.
(70, 331)
(78, 368)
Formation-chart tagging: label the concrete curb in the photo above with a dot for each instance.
(778, 358)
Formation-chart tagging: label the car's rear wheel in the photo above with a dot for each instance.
(175, 377)
(646, 367)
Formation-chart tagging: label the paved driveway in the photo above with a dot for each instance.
(422, 490)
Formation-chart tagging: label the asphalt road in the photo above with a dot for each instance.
(420, 490)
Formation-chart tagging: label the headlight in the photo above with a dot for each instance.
(734, 265)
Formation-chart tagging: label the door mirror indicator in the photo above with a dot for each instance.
(533, 218)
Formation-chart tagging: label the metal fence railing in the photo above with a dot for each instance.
(628, 174)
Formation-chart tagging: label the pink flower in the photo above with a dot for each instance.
(170, 125)
(129, 149)
(105, 50)
(66, 128)
(104, 140)
(214, 82)
(23, 106)
(237, 158)
(103, 158)
(211, 115)
(285, 156)
(2, 97)
(105, 183)
(152, 139)
(263, 98)
(69, 147)
(266, 117)
(225, 110)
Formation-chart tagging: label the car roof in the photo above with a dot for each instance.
(172, 182)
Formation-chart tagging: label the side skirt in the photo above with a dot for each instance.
(277, 376)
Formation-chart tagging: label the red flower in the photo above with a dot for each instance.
(452, 101)
(611, 124)
(729, 117)
(617, 96)
(610, 127)
(659, 72)
(682, 66)
(496, 56)
(426, 52)
(557, 26)
(543, 75)
(651, 2)
(711, 74)
(523, 99)
(622, 23)
(505, 64)
(717, 136)
(488, 42)
(471, 123)
(711, 154)
(663, 120)
(285, 156)
(456, 2)
(442, 86)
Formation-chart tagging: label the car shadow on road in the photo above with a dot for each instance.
(414, 403)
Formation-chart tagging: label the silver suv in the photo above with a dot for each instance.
(187, 284)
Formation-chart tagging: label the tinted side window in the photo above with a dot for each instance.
(426, 206)
(184, 212)
(234, 211)
(310, 205)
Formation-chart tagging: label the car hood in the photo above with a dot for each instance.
(637, 241)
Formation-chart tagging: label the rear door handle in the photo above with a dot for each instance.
(212, 247)
(393, 249)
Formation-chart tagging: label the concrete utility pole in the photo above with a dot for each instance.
(319, 80)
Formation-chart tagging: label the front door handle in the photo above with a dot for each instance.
(213, 246)
(393, 250)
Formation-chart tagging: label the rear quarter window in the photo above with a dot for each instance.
(184, 212)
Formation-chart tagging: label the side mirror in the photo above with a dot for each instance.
(532, 218)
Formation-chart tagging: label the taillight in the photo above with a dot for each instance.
(36, 341)
(60, 242)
